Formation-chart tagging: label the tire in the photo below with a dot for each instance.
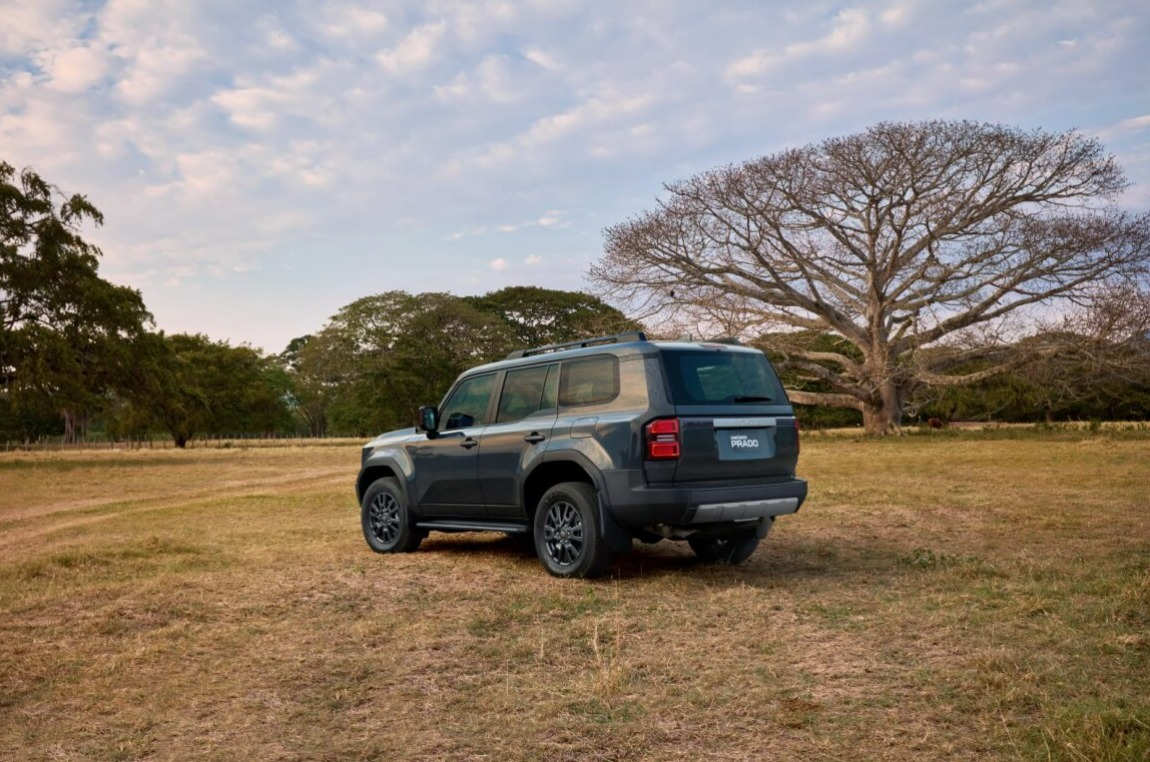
(568, 536)
(727, 549)
(386, 520)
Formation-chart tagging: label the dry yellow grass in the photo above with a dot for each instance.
(954, 597)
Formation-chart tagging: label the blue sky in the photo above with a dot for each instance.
(261, 164)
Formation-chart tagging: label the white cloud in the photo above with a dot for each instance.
(849, 29)
(45, 130)
(1130, 126)
(75, 69)
(207, 173)
(302, 169)
(31, 25)
(491, 81)
(478, 21)
(551, 219)
(312, 140)
(541, 59)
(278, 39)
(416, 51)
(344, 20)
(151, 72)
(899, 13)
(249, 107)
(588, 117)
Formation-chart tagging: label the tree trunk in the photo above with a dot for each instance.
(319, 424)
(885, 417)
(69, 427)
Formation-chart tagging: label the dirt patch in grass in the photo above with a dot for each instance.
(946, 598)
(47, 492)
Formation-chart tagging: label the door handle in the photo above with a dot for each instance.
(468, 443)
(534, 437)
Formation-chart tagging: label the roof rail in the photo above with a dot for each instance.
(618, 338)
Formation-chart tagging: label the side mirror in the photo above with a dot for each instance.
(429, 420)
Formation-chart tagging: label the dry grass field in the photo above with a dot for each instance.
(959, 596)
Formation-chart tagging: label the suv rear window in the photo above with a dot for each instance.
(717, 377)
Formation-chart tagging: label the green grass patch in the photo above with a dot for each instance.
(1091, 731)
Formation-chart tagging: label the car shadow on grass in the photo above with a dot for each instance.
(774, 562)
(777, 559)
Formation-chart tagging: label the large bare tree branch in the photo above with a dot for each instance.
(894, 239)
(824, 398)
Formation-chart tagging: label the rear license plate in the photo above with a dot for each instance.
(745, 444)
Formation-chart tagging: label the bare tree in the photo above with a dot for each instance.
(904, 240)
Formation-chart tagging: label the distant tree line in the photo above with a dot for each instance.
(936, 270)
(79, 356)
(1093, 364)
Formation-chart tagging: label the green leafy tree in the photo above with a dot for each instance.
(920, 244)
(444, 338)
(66, 334)
(382, 356)
(311, 384)
(193, 386)
(541, 316)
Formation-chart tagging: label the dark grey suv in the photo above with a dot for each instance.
(589, 445)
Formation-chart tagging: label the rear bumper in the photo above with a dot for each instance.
(633, 503)
(743, 510)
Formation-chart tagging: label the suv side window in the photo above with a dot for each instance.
(467, 406)
(524, 392)
(593, 381)
(551, 388)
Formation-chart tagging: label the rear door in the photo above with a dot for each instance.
(735, 421)
(518, 436)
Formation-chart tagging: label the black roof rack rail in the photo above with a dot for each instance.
(618, 338)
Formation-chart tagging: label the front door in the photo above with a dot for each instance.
(446, 467)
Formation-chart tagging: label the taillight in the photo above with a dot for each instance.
(798, 439)
(663, 439)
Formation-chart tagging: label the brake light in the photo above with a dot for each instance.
(663, 439)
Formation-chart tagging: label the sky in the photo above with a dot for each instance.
(262, 163)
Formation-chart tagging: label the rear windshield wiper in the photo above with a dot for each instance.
(752, 398)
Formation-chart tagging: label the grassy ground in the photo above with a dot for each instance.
(962, 596)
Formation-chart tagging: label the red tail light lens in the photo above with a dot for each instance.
(663, 439)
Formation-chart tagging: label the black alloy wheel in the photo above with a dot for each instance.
(386, 521)
(568, 538)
